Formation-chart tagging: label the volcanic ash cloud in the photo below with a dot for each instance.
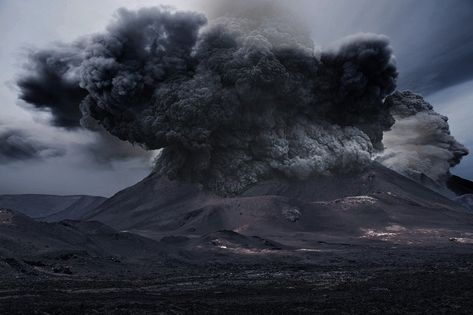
(420, 144)
(229, 102)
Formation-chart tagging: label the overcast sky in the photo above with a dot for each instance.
(432, 40)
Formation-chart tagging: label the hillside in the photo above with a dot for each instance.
(51, 208)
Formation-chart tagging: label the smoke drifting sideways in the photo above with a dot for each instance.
(229, 102)
(17, 145)
(420, 145)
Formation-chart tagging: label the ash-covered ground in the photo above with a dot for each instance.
(340, 280)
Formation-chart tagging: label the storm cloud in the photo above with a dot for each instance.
(16, 145)
(432, 38)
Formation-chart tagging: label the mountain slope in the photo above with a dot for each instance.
(377, 203)
(76, 210)
(22, 236)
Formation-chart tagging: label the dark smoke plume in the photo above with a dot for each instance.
(52, 83)
(233, 102)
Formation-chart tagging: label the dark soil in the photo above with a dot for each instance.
(405, 285)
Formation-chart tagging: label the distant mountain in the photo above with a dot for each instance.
(30, 246)
(460, 186)
(21, 235)
(463, 188)
(51, 208)
(81, 207)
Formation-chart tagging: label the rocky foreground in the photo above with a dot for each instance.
(89, 268)
(342, 281)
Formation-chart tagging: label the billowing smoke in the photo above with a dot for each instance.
(239, 101)
(51, 82)
(232, 102)
(420, 145)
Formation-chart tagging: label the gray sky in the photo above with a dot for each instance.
(432, 40)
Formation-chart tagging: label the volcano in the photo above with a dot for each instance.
(375, 205)
(345, 240)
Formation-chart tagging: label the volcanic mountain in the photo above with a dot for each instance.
(377, 204)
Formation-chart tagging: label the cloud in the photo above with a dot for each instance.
(420, 144)
(455, 103)
(38, 159)
(17, 145)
